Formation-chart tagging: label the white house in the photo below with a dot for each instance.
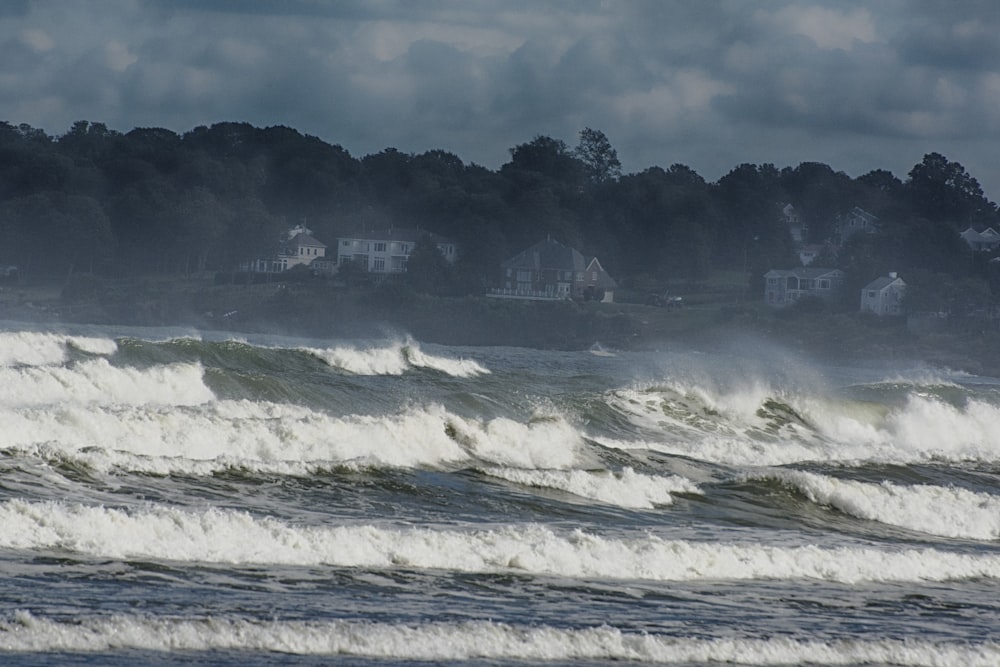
(388, 250)
(884, 295)
(298, 247)
(786, 286)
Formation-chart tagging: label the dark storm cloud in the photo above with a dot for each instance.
(709, 84)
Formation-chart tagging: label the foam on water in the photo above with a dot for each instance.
(231, 537)
(394, 359)
(937, 510)
(98, 382)
(760, 427)
(489, 640)
(28, 348)
(257, 435)
(626, 488)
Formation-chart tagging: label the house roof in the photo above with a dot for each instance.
(882, 282)
(408, 235)
(858, 212)
(305, 239)
(806, 272)
(988, 236)
(548, 254)
(603, 279)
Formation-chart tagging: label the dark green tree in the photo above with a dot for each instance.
(599, 158)
(942, 191)
(427, 270)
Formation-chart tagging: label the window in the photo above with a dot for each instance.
(380, 246)
(871, 294)
(345, 243)
(378, 264)
(824, 284)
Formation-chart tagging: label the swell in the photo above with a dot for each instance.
(239, 538)
(947, 511)
(458, 641)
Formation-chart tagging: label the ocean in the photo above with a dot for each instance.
(178, 497)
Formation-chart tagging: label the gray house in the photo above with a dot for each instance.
(786, 286)
(856, 221)
(884, 295)
(551, 270)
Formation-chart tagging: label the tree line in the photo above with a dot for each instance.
(152, 201)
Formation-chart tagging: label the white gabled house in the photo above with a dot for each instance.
(884, 296)
(387, 251)
(298, 247)
(786, 286)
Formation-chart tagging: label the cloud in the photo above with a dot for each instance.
(708, 84)
(827, 28)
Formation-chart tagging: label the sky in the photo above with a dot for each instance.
(710, 84)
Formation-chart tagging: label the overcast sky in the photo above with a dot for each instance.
(857, 85)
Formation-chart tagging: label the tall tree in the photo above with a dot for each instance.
(599, 158)
(942, 191)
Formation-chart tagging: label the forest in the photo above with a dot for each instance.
(150, 201)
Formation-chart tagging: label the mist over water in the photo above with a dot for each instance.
(168, 497)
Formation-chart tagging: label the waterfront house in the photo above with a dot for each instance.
(551, 270)
(884, 295)
(387, 251)
(297, 248)
(786, 286)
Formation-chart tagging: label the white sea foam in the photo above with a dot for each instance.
(740, 429)
(937, 510)
(626, 488)
(25, 632)
(265, 436)
(230, 537)
(394, 359)
(98, 382)
(27, 348)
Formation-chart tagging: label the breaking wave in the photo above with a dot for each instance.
(231, 537)
(25, 348)
(936, 510)
(394, 359)
(624, 489)
(25, 632)
(758, 426)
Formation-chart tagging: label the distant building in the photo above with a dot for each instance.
(796, 228)
(298, 247)
(786, 286)
(856, 221)
(387, 251)
(987, 240)
(884, 296)
(551, 270)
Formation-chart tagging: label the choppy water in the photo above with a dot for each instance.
(169, 498)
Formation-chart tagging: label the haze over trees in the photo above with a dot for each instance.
(151, 201)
